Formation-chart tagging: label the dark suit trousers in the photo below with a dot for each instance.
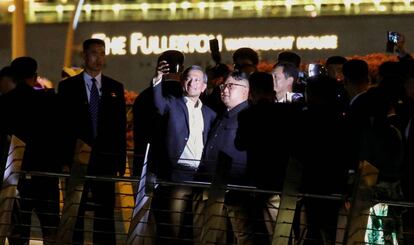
(41, 195)
(172, 207)
(102, 204)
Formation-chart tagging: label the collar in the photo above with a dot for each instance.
(88, 80)
(197, 104)
(235, 110)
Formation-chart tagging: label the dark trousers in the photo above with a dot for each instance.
(237, 208)
(172, 208)
(321, 221)
(40, 195)
(102, 203)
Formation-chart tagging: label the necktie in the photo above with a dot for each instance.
(94, 106)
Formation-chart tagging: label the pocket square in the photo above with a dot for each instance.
(113, 95)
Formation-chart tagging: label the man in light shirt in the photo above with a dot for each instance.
(284, 75)
(187, 123)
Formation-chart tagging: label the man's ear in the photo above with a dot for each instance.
(290, 82)
(204, 87)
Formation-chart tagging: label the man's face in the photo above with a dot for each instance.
(94, 58)
(234, 92)
(335, 72)
(281, 83)
(194, 84)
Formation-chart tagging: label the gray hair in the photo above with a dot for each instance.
(194, 68)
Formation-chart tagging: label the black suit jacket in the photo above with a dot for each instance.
(31, 115)
(109, 146)
(175, 117)
(321, 144)
(221, 142)
(267, 132)
(146, 123)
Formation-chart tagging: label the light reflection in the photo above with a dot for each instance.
(11, 8)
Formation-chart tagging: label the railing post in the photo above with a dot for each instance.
(361, 203)
(9, 187)
(139, 221)
(74, 193)
(284, 220)
(213, 214)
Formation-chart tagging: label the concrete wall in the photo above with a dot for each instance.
(356, 35)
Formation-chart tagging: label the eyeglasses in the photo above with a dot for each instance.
(230, 86)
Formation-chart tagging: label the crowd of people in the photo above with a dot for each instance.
(235, 126)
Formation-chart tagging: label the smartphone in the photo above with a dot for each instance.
(393, 37)
(215, 51)
(214, 45)
(173, 65)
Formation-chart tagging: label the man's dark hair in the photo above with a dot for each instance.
(356, 71)
(289, 70)
(6, 72)
(220, 70)
(290, 57)
(261, 82)
(391, 69)
(196, 68)
(238, 76)
(246, 54)
(336, 60)
(23, 68)
(91, 41)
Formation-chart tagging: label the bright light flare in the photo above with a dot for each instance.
(11, 8)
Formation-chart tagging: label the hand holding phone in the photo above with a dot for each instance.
(393, 37)
(389, 47)
(395, 42)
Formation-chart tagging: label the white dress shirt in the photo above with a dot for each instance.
(88, 84)
(193, 150)
(286, 99)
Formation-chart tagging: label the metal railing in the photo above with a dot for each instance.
(219, 213)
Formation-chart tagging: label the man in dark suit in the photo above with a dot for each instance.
(266, 132)
(146, 119)
(356, 84)
(30, 115)
(94, 107)
(221, 143)
(319, 148)
(187, 123)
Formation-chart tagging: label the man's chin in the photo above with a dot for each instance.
(224, 99)
(193, 95)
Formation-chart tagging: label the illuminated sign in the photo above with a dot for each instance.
(137, 42)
